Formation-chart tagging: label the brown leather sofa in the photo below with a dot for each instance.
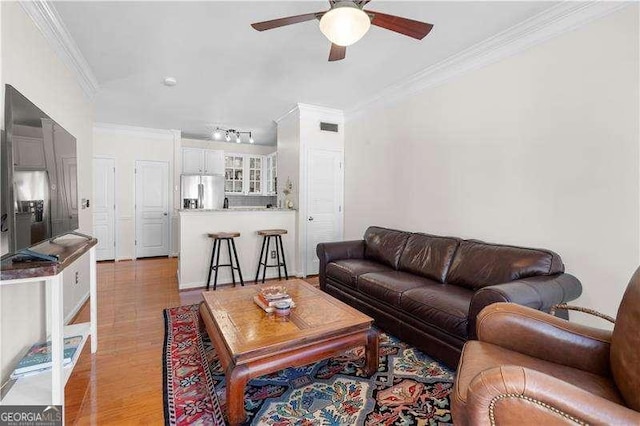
(529, 368)
(427, 290)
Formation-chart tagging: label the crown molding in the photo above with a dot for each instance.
(145, 132)
(47, 20)
(320, 109)
(302, 108)
(286, 114)
(550, 23)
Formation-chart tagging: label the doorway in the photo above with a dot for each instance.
(324, 202)
(104, 207)
(152, 208)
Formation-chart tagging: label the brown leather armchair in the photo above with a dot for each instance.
(528, 367)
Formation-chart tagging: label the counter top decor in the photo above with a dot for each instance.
(288, 190)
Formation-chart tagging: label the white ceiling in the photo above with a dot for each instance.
(231, 75)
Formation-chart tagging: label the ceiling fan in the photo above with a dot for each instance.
(346, 22)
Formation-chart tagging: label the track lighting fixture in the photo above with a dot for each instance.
(228, 133)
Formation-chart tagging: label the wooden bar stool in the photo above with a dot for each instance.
(218, 237)
(267, 234)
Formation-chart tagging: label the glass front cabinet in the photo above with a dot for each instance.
(247, 174)
(271, 174)
(234, 174)
(255, 175)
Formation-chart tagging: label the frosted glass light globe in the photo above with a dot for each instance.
(345, 24)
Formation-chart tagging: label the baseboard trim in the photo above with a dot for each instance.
(76, 310)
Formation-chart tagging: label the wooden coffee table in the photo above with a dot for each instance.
(251, 343)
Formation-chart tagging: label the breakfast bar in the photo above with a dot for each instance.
(196, 246)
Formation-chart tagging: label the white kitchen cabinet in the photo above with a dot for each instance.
(271, 174)
(198, 160)
(213, 162)
(234, 174)
(192, 160)
(254, 176)
(244, 174)
(28, 153)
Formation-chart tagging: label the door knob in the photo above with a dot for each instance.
(165, 214)
(310, 218)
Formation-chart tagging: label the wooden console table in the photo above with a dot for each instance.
(48, 388)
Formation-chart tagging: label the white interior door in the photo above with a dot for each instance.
(104, 214)
(152, 208)
(324, 202)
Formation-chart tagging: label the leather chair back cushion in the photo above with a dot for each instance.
(478, 264)
(625, 341)
(384, 245)
(428, 255)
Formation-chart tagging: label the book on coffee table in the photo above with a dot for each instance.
(268, 308)
(271, 302)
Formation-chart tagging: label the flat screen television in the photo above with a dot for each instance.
(39, 177)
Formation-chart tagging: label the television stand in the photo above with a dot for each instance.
(47, 388)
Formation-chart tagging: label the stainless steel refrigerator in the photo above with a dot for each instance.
(32, 202)
(202, 191)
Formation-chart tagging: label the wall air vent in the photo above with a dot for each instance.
(328, 127)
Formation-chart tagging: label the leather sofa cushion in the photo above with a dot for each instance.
(346, 271)
(477, 264)
(479, 356)
(428, 255)
(440, 305)
(384, 245)
(389, 286)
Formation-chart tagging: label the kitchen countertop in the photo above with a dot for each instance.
(236, 209)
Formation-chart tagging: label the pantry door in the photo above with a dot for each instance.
(152, 208)
(324, 202)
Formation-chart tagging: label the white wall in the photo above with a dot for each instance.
(288, 134)
(540, 149)
(33, 68)
(126, 146)
(299, 131)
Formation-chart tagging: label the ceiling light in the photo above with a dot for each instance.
(170, 81)
(345, 24)
(230, 133)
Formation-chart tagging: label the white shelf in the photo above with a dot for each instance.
(36, 390)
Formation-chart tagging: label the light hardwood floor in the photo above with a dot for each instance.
(122, 383)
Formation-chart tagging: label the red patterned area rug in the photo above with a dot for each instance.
(409, 388)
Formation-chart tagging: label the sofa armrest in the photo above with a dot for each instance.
(328, 252)
(544, 336)
(535, 292)
(517, 395)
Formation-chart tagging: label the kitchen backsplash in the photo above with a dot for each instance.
(252, 200)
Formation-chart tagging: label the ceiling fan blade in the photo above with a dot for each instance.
(337, 53)
(281, 22)
(408, 27)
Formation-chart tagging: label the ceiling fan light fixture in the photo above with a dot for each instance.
(345, 24)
